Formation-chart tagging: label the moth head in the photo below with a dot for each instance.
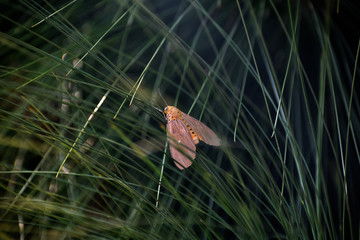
(167, 109)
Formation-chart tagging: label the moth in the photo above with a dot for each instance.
(184, 132)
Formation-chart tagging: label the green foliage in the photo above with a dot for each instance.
(80, 83)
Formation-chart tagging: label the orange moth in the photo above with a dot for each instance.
(184, 133)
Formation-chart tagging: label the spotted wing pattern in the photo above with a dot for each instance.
(182, 147)
(204, 132)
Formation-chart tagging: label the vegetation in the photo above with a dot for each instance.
(83, 146)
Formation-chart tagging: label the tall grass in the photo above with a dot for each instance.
(80, 83)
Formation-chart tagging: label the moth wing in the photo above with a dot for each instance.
(182, 147)
(204, 132)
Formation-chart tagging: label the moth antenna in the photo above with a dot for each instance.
(162, 97)
(160, 111)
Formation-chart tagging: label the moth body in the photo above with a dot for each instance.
(184, 133)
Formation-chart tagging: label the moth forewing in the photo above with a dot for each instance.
(182, 146)
(204, 132)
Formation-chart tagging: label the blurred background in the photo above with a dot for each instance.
(83, 147)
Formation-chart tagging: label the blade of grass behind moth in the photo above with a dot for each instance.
(258, 76)
(52, 14)
(302, 75)
(83, 129)
(349, 125)
(28, 181)
(161, 174)
(140, 79)
(279, 99)
(70, 33)
(101, 37)
(242, 90)
(323, 75)
(161, 72)
(292, 42)
(350, 105)
(280, 109)
(220, 55)
(194, 43)
(234, 47)
(39, 76)
(218, 62)
(199, 93)
(167, 35)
